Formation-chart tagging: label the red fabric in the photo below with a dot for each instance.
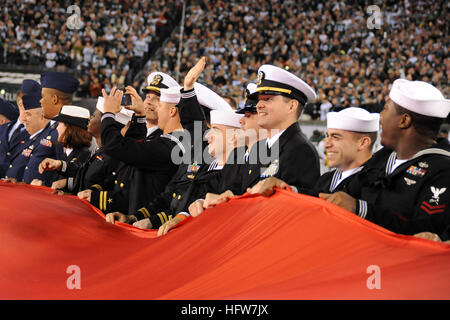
(289, 246)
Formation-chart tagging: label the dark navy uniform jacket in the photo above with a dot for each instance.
(24, 166)
(292, 159)
(10, 149)
(413, 198)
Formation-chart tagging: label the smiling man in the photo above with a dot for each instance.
(351, 135)
(291, 157)
(405, 186)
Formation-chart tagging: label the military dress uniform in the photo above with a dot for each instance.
(192, 180)
(25, 165)
(412, 195)
(76, 158)
(351, 119)
(296, 163)
(11, 134)
(291, 157)
(9, 149)
(412, 198)
(97, 169)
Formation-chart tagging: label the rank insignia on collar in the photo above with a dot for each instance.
(415, 171)
(409, 181)
(271, 170)
(423, 165)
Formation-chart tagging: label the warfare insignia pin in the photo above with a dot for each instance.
(409, 181)
(423, 165)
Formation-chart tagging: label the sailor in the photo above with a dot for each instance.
(405, 186)
(351, 134)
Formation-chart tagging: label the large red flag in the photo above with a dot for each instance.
(288, 246)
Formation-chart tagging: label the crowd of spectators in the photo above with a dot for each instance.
(329, 44)
(106, 43)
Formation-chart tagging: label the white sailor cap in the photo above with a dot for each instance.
(273, 80)
(208, 98)
(171, 95)
(124, 116)
(159, 80)
(354, 119)
(78, 116)
(226, 118)
(420, 97)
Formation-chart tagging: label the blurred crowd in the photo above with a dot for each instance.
(330, 44)
(327, 43)
(106, 44)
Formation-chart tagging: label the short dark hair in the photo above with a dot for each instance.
(300, 106)
(231, 101)
(426, 126)
(372, 135)
(75, 137)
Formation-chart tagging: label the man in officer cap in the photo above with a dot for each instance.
(286, 154)
(57, 90)
(155, 82)
(13, 134)
(351, 135)
(405, 186)
(24, 165)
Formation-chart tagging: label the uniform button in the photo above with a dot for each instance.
(26, 168)
(10, 165)
(121, 185)
(115, 181)
(179, 197)
(174, 195)
(113, 173)
(8, 153)
(249, 171)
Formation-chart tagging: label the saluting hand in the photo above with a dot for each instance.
(137, 104)
(194, 73)
(340, 199)
(49, 164)
(113, 101)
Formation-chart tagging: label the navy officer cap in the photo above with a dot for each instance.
(61, 81)
(8, 110)
(30, 86)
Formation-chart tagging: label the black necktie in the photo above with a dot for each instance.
(16, 134)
